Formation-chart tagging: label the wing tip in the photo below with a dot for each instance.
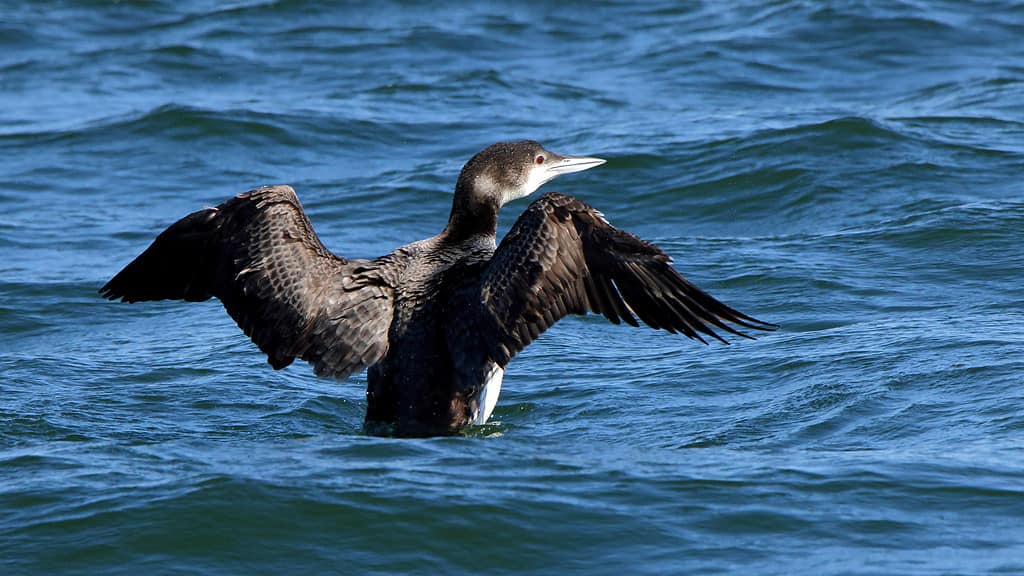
(110, 292)
(753, 323)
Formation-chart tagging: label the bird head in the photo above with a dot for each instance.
(509, 170)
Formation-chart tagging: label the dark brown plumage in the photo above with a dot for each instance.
(259, 255)
(436, 321)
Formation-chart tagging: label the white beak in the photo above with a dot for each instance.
(570, 164)
(556, 166)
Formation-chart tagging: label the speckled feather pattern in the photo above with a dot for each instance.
(563, 257)
(260, 256)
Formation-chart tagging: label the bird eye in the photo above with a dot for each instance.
(540, 159)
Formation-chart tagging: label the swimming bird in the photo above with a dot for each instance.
(437, 321)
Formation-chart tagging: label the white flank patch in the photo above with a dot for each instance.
(489, 395)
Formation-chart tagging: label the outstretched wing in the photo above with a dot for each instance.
(562, 257)
(259, 255)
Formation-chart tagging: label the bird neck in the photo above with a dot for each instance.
(473, 214)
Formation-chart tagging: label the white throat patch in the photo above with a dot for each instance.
(538, 176)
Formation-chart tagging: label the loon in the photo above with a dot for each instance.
(437, 321)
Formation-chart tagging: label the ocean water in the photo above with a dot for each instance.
(849, 170)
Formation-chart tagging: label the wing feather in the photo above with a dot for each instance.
(562, 257)
(258, 253)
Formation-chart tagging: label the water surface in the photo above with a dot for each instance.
(851, 171)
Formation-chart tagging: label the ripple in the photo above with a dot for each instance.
(851, 172)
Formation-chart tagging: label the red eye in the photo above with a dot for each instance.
(540, 159)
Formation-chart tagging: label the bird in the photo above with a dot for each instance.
(436, 322)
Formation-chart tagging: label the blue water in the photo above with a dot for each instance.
(849, 170)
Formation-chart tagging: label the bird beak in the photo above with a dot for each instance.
(570, 164)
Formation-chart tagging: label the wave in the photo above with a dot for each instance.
(171, 121)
